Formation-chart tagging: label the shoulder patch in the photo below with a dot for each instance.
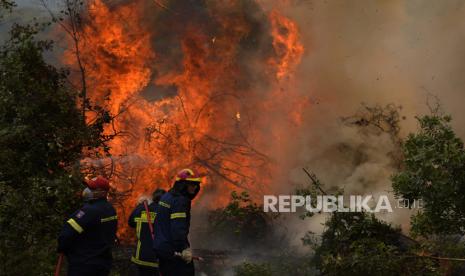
(80, 214)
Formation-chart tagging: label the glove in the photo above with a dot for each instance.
(87, 194)
(186, 255)
(143, 198)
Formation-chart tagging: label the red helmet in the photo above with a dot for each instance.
(98, 183)
(189, 175)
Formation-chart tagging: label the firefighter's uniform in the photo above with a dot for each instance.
(87, 239)
(172, 228)
(144, 256)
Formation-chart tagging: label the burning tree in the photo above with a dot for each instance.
(188, 84)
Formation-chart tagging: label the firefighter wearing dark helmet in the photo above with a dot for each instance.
(144, 257)
(172, 224)
(89, 234)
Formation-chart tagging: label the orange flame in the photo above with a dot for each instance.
(192, 91)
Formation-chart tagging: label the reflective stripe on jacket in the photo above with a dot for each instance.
(172, 224)
(144, 254)
(88, 236)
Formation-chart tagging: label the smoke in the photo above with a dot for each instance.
(233, 64)
(381, 52)
(373, 52)
(377, 52)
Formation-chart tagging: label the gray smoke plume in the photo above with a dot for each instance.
(375, 52)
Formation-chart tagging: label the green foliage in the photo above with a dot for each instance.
(293, 263)
(253, 269)
(42, 134)
(242, 226)
(241, 221)
(446, 246)
(287, 263)
(360, 244)
(434, 171)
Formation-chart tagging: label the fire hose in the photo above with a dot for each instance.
(149, 221)
(58, 266)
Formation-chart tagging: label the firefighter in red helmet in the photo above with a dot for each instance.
(172, 224)
(88, 236)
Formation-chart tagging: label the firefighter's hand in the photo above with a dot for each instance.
(186, 255)
(143, 198)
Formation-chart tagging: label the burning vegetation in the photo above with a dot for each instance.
(154, 86)
(204, 84)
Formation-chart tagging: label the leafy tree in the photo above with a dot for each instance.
(449, 249)
(360, 244)
(434, 171)
(42, 134)
(241, 221)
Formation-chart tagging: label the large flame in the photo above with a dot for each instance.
(207, 85)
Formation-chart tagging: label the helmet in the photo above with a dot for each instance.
(98, 183)
(183, 179)
(188, 175)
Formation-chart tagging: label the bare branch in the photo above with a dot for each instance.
(315, 181)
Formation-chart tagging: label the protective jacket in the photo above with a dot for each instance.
(172, 224)
(144, 254)
(88, 236)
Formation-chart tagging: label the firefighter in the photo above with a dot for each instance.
(144, 257)
(172, 223)
(88, 236)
